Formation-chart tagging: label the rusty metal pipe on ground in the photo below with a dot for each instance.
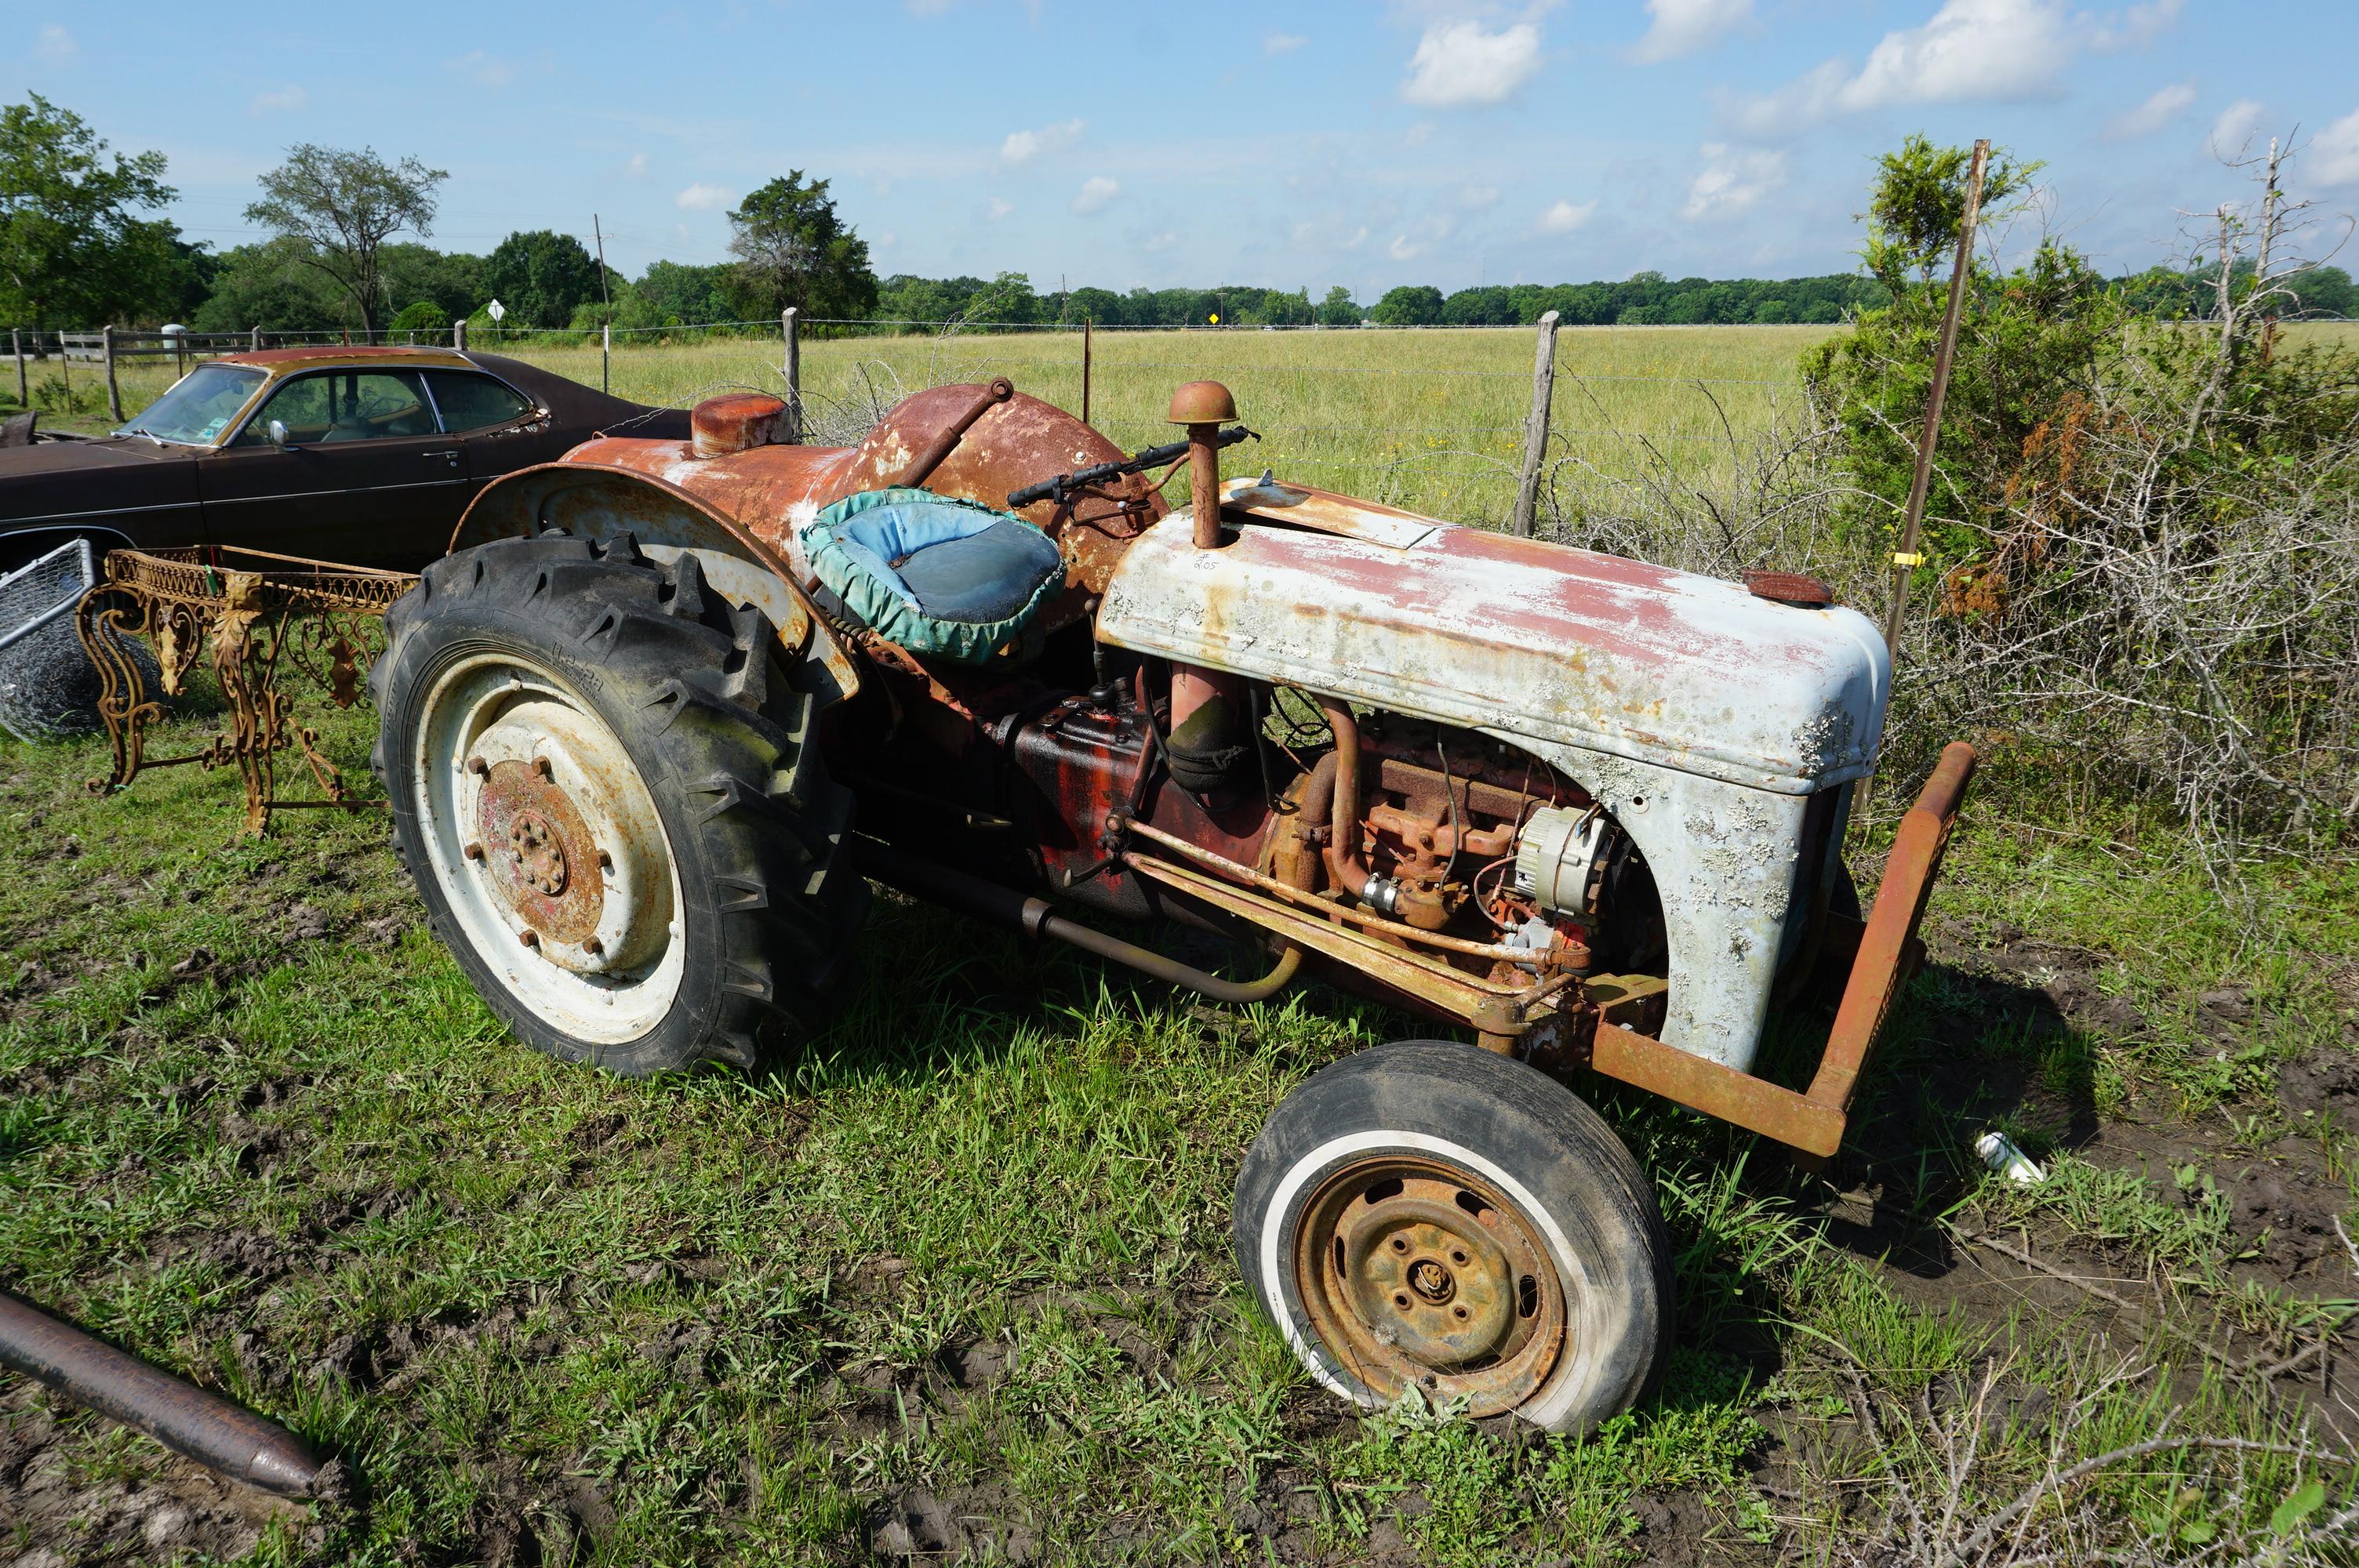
(930, 457)
(988, 901)
(180, 1415)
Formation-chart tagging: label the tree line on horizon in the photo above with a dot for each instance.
(75, 252)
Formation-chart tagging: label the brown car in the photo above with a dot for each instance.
(362, 455)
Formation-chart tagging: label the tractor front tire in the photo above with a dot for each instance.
(606, 787)
(1429, 1218)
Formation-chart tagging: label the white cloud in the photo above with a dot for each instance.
(1023, 145)
(2235, 126)
(1420, 238)
(1096, 191)
(701, 197)
(1564, 217)
(1281, 43)
(1417, 136)
(1162, 241)
(483, 70)
(285, 101)
(1969, 50)
(1683, 26)
(1458, 63)
(2167, 104)
(56, 46)
(638, 165)
(1475, 198)
(1733, 180)
(997, 207)
(2334, 155)
(2135, 27)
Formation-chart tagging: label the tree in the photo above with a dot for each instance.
(1410, 305)
(1337, 309)
(342, 207)
(72, 250)
(541, 277)
(2029, 349)
(792, 249)
(274, 287)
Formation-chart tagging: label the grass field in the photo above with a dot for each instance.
(956, 1285)
(1430, 420)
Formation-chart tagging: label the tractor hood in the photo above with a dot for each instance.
(1517, 637)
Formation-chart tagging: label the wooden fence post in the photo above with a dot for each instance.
(606, 357)
(1536, 425)
(106, 352)
(17, 346)
(253, 341)
(1085, 369)
(459, 334)
(790, 328)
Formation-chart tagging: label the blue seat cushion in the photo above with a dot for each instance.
(935, 574)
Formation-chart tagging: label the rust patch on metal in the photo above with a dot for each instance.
(1417, 1274)
(719, 426)
(542, 859)
(1789, 588)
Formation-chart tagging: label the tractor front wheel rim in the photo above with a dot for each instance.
(1416, 1274)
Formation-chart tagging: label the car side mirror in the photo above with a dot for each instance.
(277, 431)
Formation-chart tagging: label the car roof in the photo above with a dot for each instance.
(279, 362)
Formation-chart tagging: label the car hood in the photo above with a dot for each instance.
(51, 479)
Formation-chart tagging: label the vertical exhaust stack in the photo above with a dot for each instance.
(1208, 722)
(1204, 406)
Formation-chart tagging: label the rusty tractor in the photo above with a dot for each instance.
(668, 707)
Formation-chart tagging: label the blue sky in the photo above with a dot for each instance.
(1278, 144)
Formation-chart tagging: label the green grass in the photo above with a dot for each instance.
(970, 1254)
(964, 1266)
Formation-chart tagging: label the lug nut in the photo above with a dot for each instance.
(605, 861)
(529, 939)
(594, 947)
(474, 852)
(478, 766)
(540, 765)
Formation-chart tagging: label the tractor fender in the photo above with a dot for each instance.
(595, 501)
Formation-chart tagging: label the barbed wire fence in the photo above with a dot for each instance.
(1436, 419)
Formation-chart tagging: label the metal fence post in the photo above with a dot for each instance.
(606, 357)
(1907, 558)
(1536, 425)
(106, 352)
(790, 328)
(459, 334)
(253, 341)
(17, 346)
(1085, 369)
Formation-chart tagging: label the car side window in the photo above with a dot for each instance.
(337, 405)
(471, 402)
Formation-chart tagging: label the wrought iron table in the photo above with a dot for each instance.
(262, 614)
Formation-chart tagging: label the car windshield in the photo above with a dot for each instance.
(200, 406)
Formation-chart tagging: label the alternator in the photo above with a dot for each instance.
(1560, 859)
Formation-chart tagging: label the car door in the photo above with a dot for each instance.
(365, 476)
(499, 428)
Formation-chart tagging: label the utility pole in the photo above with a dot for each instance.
(607, 297)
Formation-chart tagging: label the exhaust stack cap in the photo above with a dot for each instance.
(719, 426)
(1202, 403)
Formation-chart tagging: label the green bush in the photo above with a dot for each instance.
(425, 316)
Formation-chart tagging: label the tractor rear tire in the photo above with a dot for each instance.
(607, 789)
(1429, 1218)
